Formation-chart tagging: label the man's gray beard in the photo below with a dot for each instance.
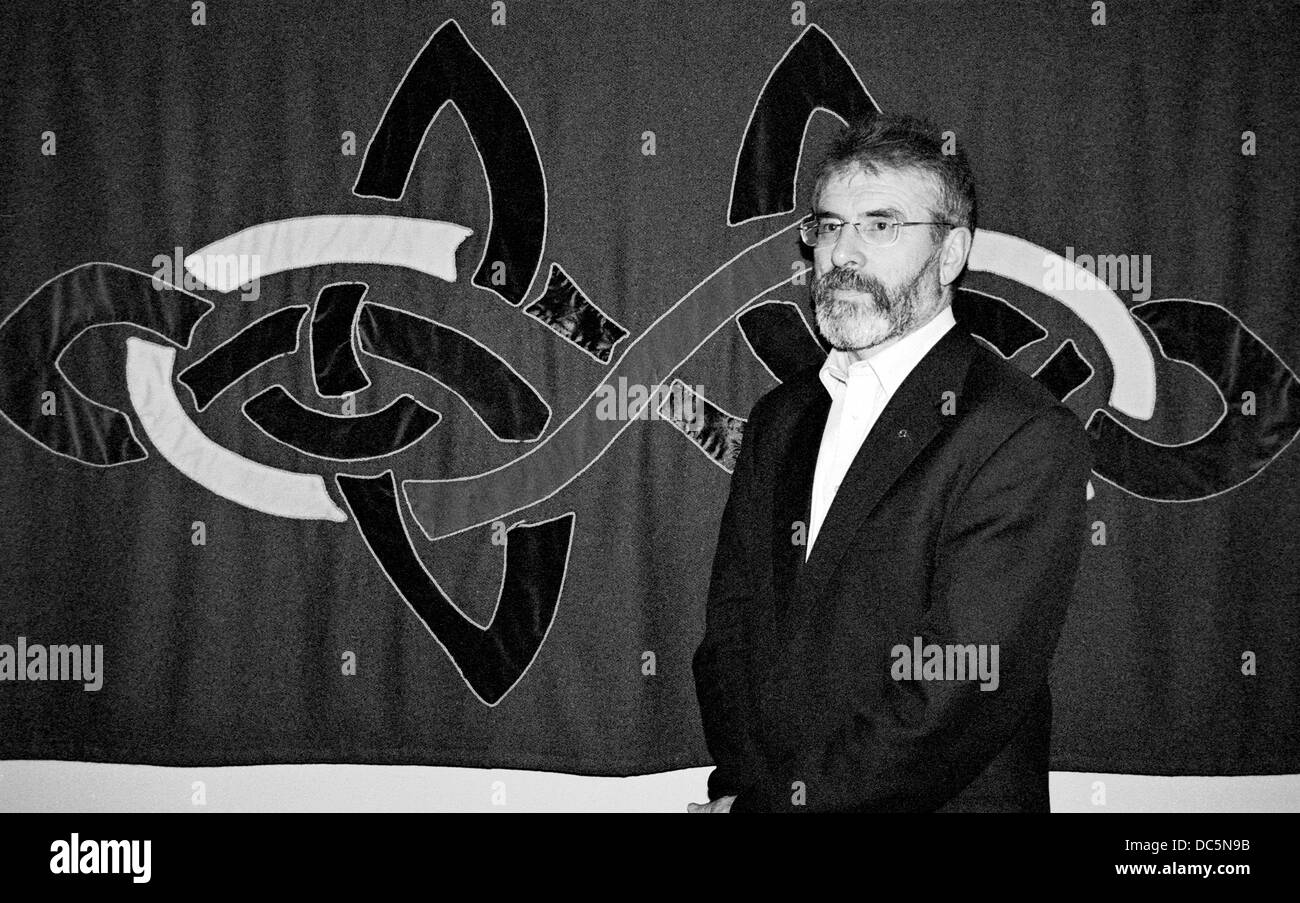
(852, 325)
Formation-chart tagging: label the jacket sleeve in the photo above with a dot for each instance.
(720, 662)
(1005, 568)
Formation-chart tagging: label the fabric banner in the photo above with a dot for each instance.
(372, 373)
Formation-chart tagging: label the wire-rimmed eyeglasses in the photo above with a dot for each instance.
(878, 231)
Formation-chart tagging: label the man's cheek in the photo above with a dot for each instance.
(821, 261)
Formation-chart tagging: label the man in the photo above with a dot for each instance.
(913, 496)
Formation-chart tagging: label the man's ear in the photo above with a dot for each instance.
(956, 248)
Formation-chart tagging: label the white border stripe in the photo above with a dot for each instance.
(425, 245)
(266, 489)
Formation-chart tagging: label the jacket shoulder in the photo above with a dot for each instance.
(1002, 397)
(789, 399)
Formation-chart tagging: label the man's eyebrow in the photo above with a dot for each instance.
(892, 212)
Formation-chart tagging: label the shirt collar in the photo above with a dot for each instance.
(892, 364)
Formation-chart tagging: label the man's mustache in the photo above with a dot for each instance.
(843, 278)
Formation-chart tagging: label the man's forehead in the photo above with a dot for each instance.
(858, 186)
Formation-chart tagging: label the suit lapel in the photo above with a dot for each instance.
(911, 419)
(792, 493)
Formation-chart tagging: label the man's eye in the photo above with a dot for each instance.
(829, 228)
(878, 224)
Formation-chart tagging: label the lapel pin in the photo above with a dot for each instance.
(902, 434)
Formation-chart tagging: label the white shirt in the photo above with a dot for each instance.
(859, 392)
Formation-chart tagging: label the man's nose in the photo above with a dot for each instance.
(847, 250)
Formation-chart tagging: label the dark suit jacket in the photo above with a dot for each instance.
(960, 526)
